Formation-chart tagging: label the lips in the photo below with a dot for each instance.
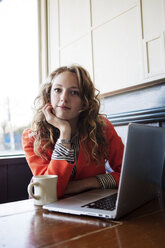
(64, 107)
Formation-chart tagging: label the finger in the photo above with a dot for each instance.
(46, 107)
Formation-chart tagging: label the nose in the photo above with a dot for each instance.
(64, 96)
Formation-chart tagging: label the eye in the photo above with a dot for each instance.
(75, 92)
(57, 90)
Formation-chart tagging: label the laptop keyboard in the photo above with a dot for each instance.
(106, 203)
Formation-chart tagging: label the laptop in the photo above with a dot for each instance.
(140, 178)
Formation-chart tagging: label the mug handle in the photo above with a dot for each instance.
(30, 190)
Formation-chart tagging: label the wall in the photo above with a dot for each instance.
(145, 105)
(120, 42)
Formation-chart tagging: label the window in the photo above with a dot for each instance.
(19, 67)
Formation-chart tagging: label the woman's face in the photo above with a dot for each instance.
(65, 96)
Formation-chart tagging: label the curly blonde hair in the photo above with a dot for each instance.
(90, 121)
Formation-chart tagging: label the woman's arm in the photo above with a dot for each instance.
(62, 125)
(40, 166)
(78, 186)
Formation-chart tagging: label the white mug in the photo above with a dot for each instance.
(45, 189)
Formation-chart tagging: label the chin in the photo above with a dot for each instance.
(62, 118)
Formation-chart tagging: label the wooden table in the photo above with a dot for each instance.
(24, 225)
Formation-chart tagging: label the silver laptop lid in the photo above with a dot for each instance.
(142, 167)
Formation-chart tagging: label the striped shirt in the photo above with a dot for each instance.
(61, 152)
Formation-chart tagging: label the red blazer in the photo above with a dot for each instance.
(63, 169)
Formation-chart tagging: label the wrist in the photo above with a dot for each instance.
(64, 141)
(91, 183)
(65, 135)
(94, 183)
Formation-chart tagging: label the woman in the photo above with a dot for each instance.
(69, 137)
